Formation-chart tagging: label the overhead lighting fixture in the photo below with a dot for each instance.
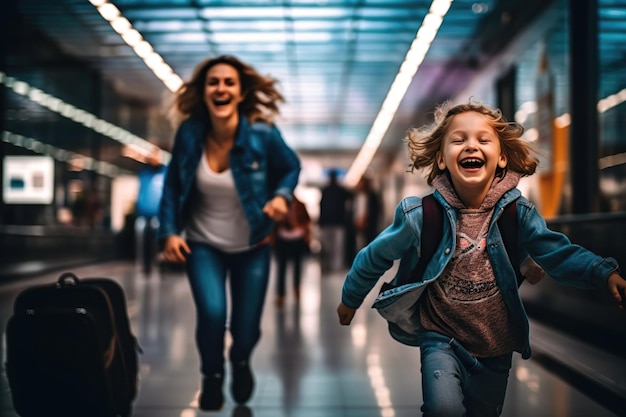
(412, 61)
(109, 11)
(135, 40)
(611, 101)
(79, 115)
(63, 155)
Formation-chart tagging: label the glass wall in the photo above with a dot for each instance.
(612, 94)
(542, 106)
(54, 108)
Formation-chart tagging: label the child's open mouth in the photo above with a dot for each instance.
(472, 163)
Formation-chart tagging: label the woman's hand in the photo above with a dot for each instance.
(345, 314)
(617, 288)
(276, 208)
(176, 249)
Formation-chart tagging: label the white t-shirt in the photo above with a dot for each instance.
(217, 216)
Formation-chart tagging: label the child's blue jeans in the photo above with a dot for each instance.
(248, 272)
(455, 383)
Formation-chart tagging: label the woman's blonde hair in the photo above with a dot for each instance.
(426, 141)
(260, 96)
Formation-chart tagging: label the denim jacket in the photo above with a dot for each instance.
(567, 263)
(262, 165)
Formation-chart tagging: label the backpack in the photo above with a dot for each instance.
(70, 350)
(394, 301)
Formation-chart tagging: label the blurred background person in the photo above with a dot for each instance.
(231, 176)
(365, 209)
(332, 224)
(292, 238)
(151, 179)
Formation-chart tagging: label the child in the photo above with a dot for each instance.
(470, 319)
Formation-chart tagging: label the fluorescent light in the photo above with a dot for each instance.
(414, 57)
(109, 11)
(120, 24)
(143, 49)
(76, 114)
(132, 37)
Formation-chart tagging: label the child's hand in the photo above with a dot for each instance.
(617, 288)
(345, 314)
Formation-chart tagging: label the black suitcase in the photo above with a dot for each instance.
(70, 350)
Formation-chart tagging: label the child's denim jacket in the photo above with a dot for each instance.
(262, 166)
(565, 262)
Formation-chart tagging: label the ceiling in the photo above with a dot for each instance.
(335, 60)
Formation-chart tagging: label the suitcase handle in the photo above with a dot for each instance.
(67, 278)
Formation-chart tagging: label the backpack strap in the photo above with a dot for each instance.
(432, 231)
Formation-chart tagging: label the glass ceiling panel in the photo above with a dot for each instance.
(334, 59)
(234, 26)
(270, 12)
(155, 13)
(145, 26)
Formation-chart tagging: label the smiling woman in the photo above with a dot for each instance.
(230, 177)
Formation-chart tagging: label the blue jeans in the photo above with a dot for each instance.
(455, 383)
(207, 269)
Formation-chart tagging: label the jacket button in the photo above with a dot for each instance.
(447, 251)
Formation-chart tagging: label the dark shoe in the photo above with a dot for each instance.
(242, 411)
(243, 382)
(212, 397)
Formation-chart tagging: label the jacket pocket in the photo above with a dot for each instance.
(400, 307)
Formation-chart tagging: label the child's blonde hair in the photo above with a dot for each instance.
(426, 141)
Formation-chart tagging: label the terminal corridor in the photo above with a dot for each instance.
(306, 365)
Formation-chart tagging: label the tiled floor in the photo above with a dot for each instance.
(306, 364)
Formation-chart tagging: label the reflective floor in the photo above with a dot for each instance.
(306, 364)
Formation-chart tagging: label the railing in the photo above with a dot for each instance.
(29, 250)
(589, 315)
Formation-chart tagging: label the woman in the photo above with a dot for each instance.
(230, 177)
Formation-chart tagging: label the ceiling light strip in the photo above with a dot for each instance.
(413, 59)
(611, 101)
(79, 115)
(63, 155)
(612, 161)
(135, 40)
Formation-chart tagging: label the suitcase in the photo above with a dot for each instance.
(70, 350)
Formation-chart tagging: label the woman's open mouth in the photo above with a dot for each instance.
(221, 101)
